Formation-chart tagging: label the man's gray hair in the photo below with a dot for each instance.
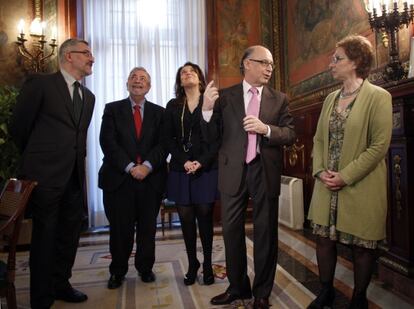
(66, 45)
(140, 69)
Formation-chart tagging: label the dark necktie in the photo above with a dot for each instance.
(77, 102)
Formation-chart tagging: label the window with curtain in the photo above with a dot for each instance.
(160, 35)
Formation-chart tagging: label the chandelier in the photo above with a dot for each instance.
(386, 18)
(34, 48)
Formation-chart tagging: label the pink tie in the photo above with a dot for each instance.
(252, 109)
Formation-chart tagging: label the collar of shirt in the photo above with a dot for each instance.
(141, 104)
(247, 95)
(69, 79)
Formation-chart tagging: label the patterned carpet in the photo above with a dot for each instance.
(296, 282)
(90, 275)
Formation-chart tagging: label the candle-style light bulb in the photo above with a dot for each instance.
(54, 33)
(43, 23)
(376, 5)
(370, 6)
(20, 26)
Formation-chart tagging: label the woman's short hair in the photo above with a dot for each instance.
(179, 90)
(359, 50)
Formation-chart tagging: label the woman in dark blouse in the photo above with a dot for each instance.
(192, 178)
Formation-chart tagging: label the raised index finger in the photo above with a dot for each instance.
(210, 85)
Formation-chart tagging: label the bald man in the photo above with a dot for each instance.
(253, 123)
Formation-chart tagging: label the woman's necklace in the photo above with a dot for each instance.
(186, 145)
(343, 94)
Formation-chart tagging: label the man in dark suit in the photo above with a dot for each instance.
(132, 177)
(253, 123)
(49, 125)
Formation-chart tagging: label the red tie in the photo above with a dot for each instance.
(138, 126)
(137, 120)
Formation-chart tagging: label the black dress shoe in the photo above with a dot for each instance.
(227, 298)
(115, 281)
(71, 295)
(261, 303)
(147, 276)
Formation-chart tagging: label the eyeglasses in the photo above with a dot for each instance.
(335, 59)
(87, 53)
(264, 63)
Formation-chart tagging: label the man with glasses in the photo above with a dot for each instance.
(253, 123)
(49, 126)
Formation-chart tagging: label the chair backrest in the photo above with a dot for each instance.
(13, 202)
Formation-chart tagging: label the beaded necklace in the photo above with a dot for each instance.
(186, 145)
(343, 94)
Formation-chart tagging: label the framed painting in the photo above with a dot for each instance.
(311, 30)
(237, 28)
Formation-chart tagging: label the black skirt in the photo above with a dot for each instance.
(187, 189)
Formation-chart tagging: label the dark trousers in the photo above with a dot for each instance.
(265, 213)
(57, 217)
(132, 209)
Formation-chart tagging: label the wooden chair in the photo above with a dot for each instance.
(167, 207)
(13, 202)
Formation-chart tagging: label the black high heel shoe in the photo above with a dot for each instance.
(359, 301)
(191, 276)
(324, 299)
(208, 275)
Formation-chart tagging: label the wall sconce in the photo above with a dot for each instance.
(387, 17)
(35, 56)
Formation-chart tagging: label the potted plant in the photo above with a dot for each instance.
(8, 150)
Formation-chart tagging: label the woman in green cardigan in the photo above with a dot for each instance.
(349, 202)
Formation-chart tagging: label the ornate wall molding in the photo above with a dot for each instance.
(396, 163)
(293, 153)
(37, 8)
(278, 50)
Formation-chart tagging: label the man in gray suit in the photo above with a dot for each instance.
(49, 125)
(253, 123)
